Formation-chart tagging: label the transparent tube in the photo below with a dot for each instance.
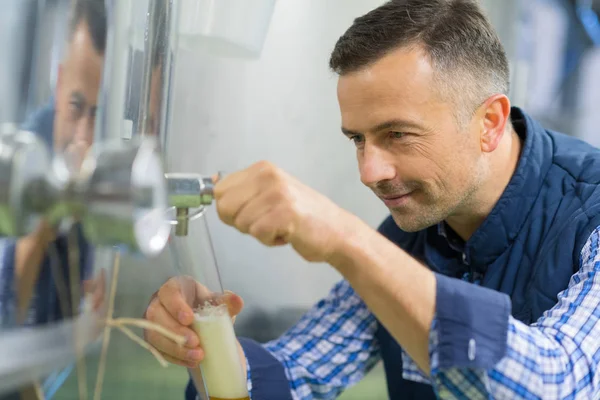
(221, 375)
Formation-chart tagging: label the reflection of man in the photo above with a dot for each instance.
(79, 80)
(67, 125)
(28, 291)
(154, 101)
(484, 282)
(152, 108)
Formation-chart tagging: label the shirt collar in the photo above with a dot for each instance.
(454, 241)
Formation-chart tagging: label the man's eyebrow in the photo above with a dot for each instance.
(348, 132)
(397, 124)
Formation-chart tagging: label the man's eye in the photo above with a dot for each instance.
(397, 135)
(75, 106)
(357, 139)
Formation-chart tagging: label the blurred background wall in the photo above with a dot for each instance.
(228, 114)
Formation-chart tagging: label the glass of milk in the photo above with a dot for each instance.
(221, 375)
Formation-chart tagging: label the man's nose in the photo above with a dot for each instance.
(375, 166)
(84, 131)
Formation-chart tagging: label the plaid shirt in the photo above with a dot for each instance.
(333, 346)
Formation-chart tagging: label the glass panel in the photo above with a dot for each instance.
(54, 281)
(78, 77)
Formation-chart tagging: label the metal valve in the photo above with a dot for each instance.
(125, 196)
(187, 192)
(119, 195)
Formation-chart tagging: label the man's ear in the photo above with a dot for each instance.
(496, 111)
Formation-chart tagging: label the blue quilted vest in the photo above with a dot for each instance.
(528, 247)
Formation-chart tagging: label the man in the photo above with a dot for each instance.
(483, 282)
(67, 126)
(28, 291)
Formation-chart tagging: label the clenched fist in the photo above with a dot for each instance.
(277, 209)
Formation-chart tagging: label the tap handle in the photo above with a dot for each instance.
(189, 190)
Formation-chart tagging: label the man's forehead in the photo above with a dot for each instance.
(81, 35)
(402, 72)
(82, 66)
(81, 46)
(399, 86)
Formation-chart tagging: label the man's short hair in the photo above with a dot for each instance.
(465, 51)
(93, 13)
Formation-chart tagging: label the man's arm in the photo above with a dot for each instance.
(399, 290)
(470, 325)
(556, 357)
(473, 348)
(29, 254)
(20, 262)
(331, 348)
(19, 268)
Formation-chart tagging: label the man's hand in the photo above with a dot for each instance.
(172, 308)
(277, 209)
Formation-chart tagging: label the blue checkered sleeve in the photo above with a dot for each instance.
(557, 357)
(331, 348)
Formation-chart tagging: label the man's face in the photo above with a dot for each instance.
(76, 96)
(411, 150)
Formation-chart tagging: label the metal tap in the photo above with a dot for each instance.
(125, 197)
(119, 195)
(186, 192)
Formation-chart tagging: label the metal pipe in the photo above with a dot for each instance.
(111, 115)
(173, 11)
(156, 91)
(182, 227)
(151, 56)
(189, 194)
